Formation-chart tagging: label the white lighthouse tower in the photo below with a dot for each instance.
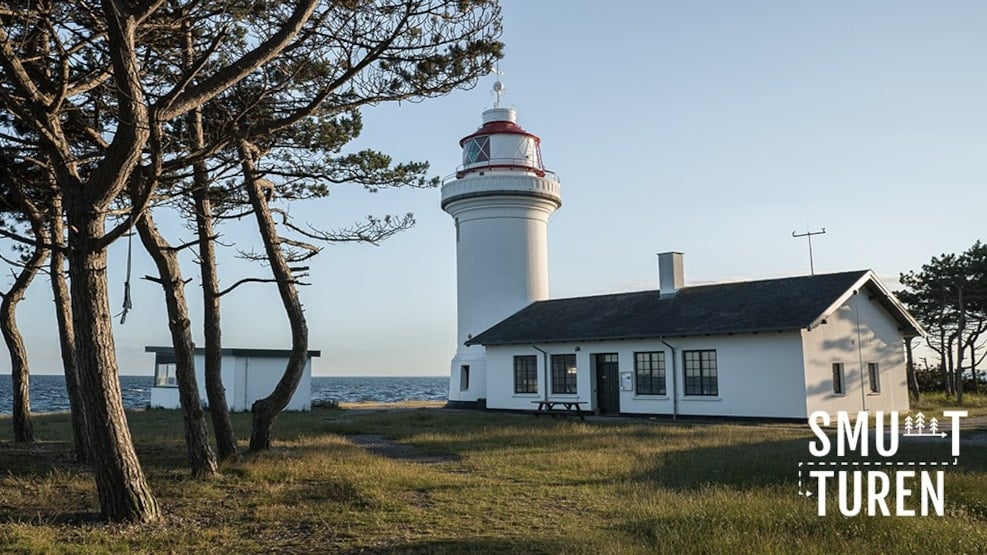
(501, 199)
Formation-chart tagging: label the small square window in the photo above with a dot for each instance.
(164, 375)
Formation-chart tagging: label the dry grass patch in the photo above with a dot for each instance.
(506, 483)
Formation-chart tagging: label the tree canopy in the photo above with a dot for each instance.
(120, 104)
(948, 295)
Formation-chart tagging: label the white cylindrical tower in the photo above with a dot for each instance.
(501, 199)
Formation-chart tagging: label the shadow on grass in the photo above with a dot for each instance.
(773, 463)
(52, 518)
(37, 459)
(480, 545)
(742, 465)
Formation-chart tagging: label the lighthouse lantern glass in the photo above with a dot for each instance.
(476, 150)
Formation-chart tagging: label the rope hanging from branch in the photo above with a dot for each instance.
(127, 304)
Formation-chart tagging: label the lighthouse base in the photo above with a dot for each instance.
(468, 379)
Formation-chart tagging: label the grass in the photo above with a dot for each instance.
(511, 483)
(975, 404)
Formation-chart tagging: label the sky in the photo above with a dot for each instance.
(713, 128)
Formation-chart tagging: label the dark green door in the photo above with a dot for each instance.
(607, 383)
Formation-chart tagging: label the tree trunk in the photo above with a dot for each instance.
(212, 329)
(66, 335)
(960, 329)
(19, 370)
(947, 367)
(266, 410)
(910, 371)
(123, 491)
(973, 368)
(200, 455)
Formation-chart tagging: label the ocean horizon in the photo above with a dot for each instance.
(48, 392)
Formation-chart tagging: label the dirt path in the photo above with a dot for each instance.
(380, 445)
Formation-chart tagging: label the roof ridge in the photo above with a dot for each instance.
(716, 284)
(781, 278)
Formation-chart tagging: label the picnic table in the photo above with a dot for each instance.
(568, 407)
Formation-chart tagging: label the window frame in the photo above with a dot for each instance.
(525, 374)
(646, 376)
(839, 378)
(166, 374)
(564, 374)
(464, 377)
(874, 378)
(707, 373)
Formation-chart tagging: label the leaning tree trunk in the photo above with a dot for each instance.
(212, 330)
(201, 458)
(123, 491)
(266, 410)
(66, 336)
(946, 363)
(910, 371)
(19, 370)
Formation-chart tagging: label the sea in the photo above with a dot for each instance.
(48, 392)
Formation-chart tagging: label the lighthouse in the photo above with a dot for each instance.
(500, 199)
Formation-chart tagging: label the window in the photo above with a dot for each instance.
(874, 377)
(563, 373)
(476, 150)
(164, 375)
(700, 372)
(464, 377)
(839, 386)
(649, 372)
(525, 374)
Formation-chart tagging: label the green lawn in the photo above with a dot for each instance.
(507, 483)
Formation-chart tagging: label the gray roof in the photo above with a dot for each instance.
(741, 307)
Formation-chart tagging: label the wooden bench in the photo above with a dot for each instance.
(568, 407)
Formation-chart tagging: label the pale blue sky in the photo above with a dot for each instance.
(712, 128)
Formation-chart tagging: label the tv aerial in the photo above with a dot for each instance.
(808, 234)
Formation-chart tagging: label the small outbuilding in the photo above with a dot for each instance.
(248, 375)
(776, 348)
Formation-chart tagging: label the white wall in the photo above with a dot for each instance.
(501, 257)
(477, 387)
(837, 341)
(165, 398)
(500, 377)
(263, 373)
(245, 379)
(759, 375)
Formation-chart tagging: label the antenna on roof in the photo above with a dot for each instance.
(808, 234)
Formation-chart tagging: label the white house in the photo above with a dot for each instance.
(778, 348)
(248, 375)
